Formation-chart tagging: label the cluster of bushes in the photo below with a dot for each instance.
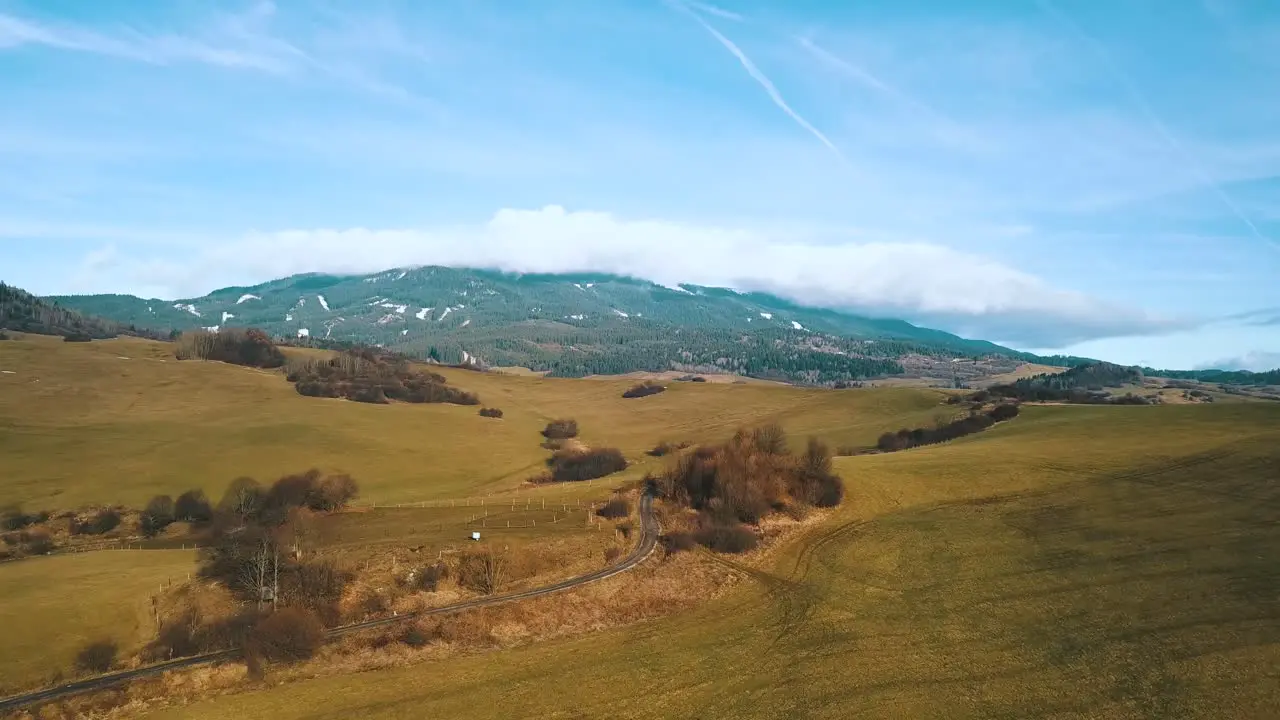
(491, 413)
(739, 483)
(576, 464)
(560, 430)
(250, 347)
(256, 539)
(14, 518)
(644, 389)
(28, 541)
(691, 378)
(666, 448)
(76, 336)
(366, 375)
(977, 422)
(289, 634)
(99, 523)
(248, 501)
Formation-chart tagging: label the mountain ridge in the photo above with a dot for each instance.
(574, 324)
(571, 324)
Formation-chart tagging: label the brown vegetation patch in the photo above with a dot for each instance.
(366, 375)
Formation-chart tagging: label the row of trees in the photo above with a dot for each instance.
(367, 375)
(944, 431)
(239, 346)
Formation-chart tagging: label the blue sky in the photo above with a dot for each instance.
(1099, 177)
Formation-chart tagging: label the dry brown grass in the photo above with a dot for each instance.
(659, 587)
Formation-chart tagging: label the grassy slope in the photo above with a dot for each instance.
(1076, 562)
(51, 607)
(80, 425)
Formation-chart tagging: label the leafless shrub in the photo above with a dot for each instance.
(560, 429)
(98, 656)
(617, 507)
(727, 538)
(483, 571)
(288, 635)
(644, 389)
(678, 542)
(571, 465)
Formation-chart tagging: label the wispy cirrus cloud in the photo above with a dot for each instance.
(1191, 163)
(158, 49)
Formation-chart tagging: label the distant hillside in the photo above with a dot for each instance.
(1080, 384)
(23, 312)
(568, 325)
(1222, 377)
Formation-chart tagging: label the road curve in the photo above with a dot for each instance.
(649, 531)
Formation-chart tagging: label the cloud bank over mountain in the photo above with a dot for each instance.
(922, 281)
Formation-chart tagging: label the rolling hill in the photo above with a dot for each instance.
(571, 325)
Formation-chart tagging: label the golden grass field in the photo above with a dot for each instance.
(51, 607)
(80, 425)
(1076, 562)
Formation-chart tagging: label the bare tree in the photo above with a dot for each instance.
(260, 572)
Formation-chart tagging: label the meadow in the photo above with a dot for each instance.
(119, 421)
(1075, 562)
(51, 607)
(1078, 562)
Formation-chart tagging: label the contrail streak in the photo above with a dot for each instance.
(759, 77)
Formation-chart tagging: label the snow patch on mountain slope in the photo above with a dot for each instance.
(323, 303)
(246, 298)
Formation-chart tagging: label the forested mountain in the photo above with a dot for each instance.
(570, 325)
(23, 312)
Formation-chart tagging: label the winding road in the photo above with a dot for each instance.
(649, 531)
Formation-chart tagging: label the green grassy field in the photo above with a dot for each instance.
(1078, 562)
(80, 424)
(51, 607)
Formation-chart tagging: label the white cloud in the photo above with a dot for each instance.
(914, 280)
(1255, 361)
